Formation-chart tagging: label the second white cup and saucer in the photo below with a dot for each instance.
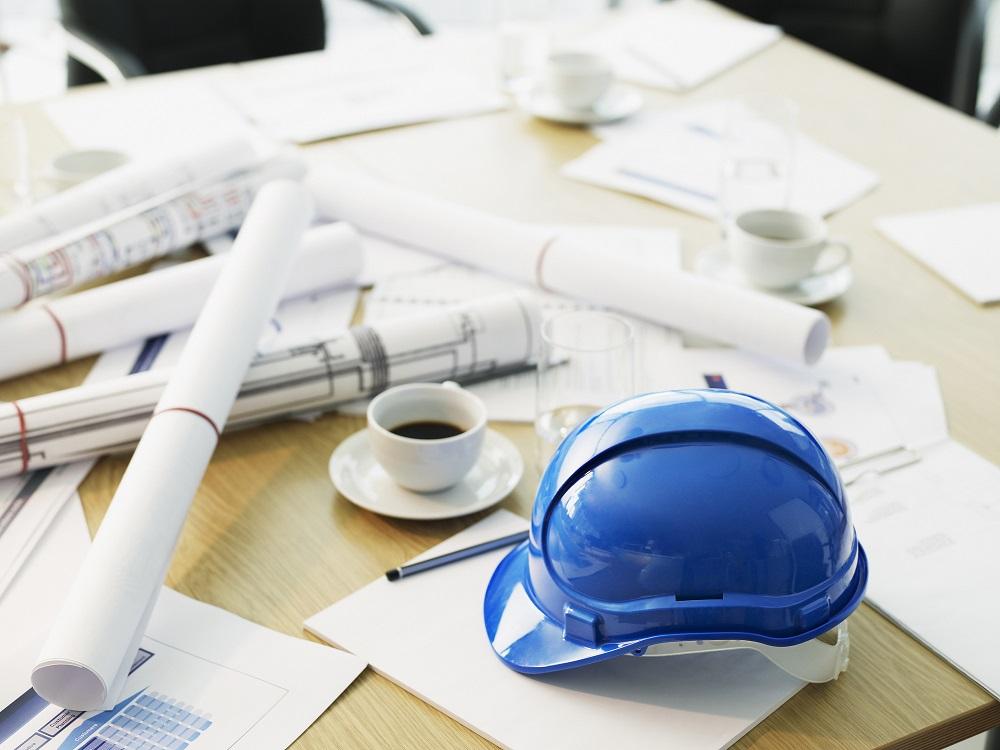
(427, 454)
(579, 88)
(785, 253)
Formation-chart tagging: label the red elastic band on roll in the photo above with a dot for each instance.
(62, 334)
(211, 422)
(22, 427)
(540, 262)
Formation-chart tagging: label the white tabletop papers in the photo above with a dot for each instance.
(317, 95)
(30, 604)
(930, 531)
(961, 244)
(435, 646)
(678, 45)
(203, 678)
(150, 116)
(674, 157)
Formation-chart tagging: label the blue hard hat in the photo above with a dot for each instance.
(678, 516)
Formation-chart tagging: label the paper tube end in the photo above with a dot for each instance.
(69, 686)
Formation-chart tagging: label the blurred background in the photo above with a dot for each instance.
(946, 49)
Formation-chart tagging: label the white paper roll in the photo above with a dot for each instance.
(86, 658)
(123, 188)
(157, 302)
(536, 255)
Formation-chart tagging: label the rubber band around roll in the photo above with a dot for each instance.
(62, 334)
(22, 426)
(540, 263)
(189, 410)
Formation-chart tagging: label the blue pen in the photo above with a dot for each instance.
(461, 554)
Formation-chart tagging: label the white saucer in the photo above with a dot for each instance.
(359, 478)
(619, 103)
(713, 261)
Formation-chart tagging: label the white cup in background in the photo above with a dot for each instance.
(777, 248)
(578, 79)
(426, 465)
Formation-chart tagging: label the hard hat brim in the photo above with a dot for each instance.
(521, 634)
(529, 641)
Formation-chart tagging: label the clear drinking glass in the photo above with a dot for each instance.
(15, 166)
(522, 43)
(758, 155)
(587, 362)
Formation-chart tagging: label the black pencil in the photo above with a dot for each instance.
(460, 554)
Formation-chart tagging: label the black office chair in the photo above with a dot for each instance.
(156, 36)
(931, 46)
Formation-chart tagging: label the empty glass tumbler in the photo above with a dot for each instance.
(587, 362)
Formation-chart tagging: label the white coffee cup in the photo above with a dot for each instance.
(420, 464)
(777, 248)
(578, 79)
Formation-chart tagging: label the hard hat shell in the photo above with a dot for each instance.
(676, 516)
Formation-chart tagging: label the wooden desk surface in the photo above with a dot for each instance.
(269, 539)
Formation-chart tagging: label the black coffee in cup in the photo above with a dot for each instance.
(427, 430)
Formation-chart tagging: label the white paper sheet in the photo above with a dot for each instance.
(50, 266)
(958, 243)
(435, 646)
(674, 157)
(582, 268)
(679, 45)
(150, 116)
(476, 340)
(30, 605)
(201, 678)
(930, 532)
(85, 661)
(160, 301)
(308, 97)
(124, 187)
(833, 401)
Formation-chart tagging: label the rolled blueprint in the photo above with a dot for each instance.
(538, 255)
(90, 649)
(124, 187)
(490, 336)
(157, 302)
(206, 212)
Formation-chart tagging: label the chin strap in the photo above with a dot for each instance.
(812, 661)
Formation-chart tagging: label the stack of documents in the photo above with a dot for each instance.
(675, 157)
(679, 45)
(958, 243)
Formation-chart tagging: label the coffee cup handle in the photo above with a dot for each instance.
(843, 259)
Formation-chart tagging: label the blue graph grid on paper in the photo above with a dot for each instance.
(143, 721)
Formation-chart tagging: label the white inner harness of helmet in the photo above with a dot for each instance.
(812, 661)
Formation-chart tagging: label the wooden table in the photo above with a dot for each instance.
(269, 539)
